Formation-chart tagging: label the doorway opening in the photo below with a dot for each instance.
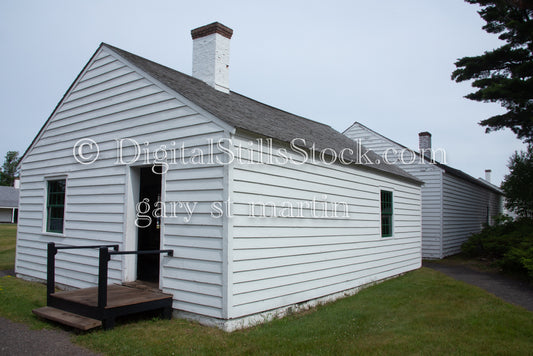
(148, 234)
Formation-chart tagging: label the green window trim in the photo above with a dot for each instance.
(386, 213)
(55, 205)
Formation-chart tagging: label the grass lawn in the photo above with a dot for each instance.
(422, 312)
(8, 236)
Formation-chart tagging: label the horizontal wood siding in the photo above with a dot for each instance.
(279, 260)
(194, 274)
(465, 211)
(429, 174)
(109, 102)
(368, 139)
(431, 207)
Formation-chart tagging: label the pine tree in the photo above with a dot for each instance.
(9, 169)
(518, 184)
(505, 74)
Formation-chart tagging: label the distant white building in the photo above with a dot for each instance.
(454, 204)
(9, 203)
(250, 212)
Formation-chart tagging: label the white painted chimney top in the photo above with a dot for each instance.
(488, 174)
(210, 55)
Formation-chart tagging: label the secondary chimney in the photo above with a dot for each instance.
(424, 143)
(487, 174)
(210, 55)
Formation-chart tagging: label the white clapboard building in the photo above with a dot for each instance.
(454, 204)
(9, 202)
(248, 196)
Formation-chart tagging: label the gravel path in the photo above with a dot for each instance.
(18, 339)
(510, 290)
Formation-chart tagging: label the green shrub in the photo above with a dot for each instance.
(528, 263)
(508, 243)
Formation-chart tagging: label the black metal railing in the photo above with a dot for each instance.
(103, 260)
(105, 256)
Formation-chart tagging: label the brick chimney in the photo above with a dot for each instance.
(424, 143)
(488, 174)
(210, 55)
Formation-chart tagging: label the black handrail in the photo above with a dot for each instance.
(51, 263)
(143, 252)
(104, 257)
(70, 247)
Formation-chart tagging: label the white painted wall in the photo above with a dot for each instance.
(429, 174)
(278, 261)
(465, 211)
(452, 208)
(111, 101)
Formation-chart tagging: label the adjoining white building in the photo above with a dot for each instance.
(9, 203)
(141, 155)
(454, 204)
(487, 180)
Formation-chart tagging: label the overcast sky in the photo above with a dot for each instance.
(386, 64)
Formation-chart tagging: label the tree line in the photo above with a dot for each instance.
(505, 75)
(9, 169)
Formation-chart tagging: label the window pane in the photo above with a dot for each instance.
(386, 225)
(386, 213)
(55, 225)
(55, 205)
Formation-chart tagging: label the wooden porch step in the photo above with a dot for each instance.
(63, 317)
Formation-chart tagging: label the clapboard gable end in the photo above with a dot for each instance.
(98, 61)
(109, 100)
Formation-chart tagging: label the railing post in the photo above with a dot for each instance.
(50, 270)
(102, 277)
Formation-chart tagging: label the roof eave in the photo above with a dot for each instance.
(406, 177)
(442, 166)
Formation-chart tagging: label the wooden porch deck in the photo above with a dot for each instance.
(117, 296)
(91, 307)
(81, 305)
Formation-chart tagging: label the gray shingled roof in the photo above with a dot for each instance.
(450, 170)
(247, 114)
(9, 197)
(465, 176)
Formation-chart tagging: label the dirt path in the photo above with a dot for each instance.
(510, 290)
(18, 339)
(8, 272)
